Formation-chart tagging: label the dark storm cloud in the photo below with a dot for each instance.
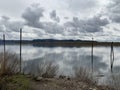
(32, 16)
(94, 24)
(54, 16)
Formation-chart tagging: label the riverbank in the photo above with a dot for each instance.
(25, 82)
(47, 77)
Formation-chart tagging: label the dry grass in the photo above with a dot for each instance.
(9, 65)
(114, 81)
(84, 75)
(47, 70)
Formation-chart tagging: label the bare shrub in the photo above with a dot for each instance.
(84, 75)
(47, 70)
(10, 64)
(114, 81)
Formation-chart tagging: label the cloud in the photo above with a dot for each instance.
(90, 25)
(54, 16)
(53, 28)
(10, 27)
(32, 16)
(113, 11)
(82, 5)
(5, 18)
(11, 8)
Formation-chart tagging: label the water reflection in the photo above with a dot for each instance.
(67, 58)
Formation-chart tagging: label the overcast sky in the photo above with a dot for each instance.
(61, 19)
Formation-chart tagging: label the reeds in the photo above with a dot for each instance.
(47, 69)
(10, 64)
(84, 75)
(114, 81)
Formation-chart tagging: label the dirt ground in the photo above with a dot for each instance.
(64, 84)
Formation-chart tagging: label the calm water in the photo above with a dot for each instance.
(68, 58)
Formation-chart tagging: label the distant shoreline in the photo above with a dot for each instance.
(57, 43)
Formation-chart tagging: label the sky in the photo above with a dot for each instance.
(60, 19)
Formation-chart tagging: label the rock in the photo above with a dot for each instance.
(62, 77)
(92, 89)
(38, 78)
(68, 78)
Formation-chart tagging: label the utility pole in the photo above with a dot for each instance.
(20, 49)
(92, 54)
(112, 57)
(4, 53)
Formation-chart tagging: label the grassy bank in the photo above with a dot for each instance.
(22, 82)
(15, 82)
